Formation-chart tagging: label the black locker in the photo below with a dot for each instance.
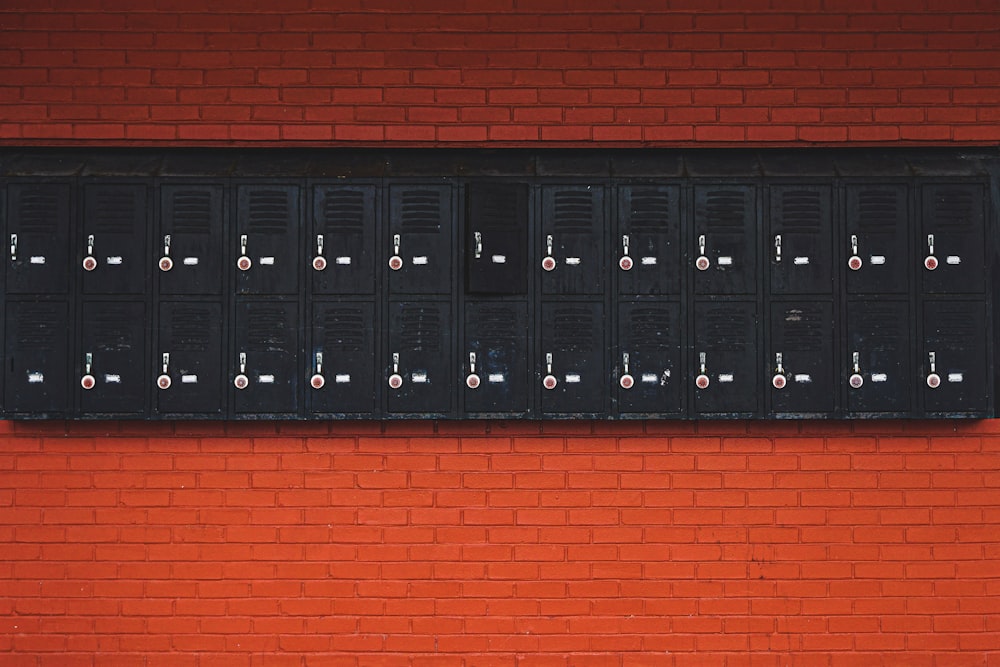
(494, 357)
(876, 363)
(38, 228)
(190, 246)
(724, 365)
(264, 364)
(37, 368)
(876, 239)
(799, 366)
(953, 359)
(647, 249)
(419, 377)
(951, 249)
(340, 364)
(572, 239)
(724, 241)
(496, 232)
(111, 355)
(187, 359)
(419, 243)
(113, 253)
(571, 358)
(801, 238)
(341, 246)
(266, 257)
(648, 366)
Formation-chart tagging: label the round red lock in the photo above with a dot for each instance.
(395, 381)
(856, 381)
(702, 263)
(625, 263)
(163, 382)
(89, 263)
(779, 381)
(854, 263)
(549, 382)
(472, 381)
(548, 263)
(244, 263)
(701, 381)
(933, 380)
(930, 262)
(88, 382)
(241, 381)
(395, 262)
(319, 263)
(317, 381)
(166, 264)
(626, 381)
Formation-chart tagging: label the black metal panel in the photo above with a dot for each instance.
(572, 239)
(724, 242)
(572, 355)
(113, 244)
(879, 338)
(37, 367)
(188, 353)
(800, 371)
(110, 367)
(342, 243)
(496, 231)
(340, 365)
(495, 357)
(647, 248)
(266, 257)
(647, 377)
(38, 228)
(418, 374)
(725, 353)
(951, 249)
(420, 239)
(264, 358)
(191, 242)
(876, 239)
(955, 339)
(801, 238)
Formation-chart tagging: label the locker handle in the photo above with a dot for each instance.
(13, 247)
(243, 263)
(779, 380)
(88, 381)
(702, 263)
(856, 380)
(164, 381)
(319, 261)
(478, 239)
(548, 262)
(702, 381)
(626, 381)
(165, 262)
(395, 380)
(933, 379)
(930, 262)
(90, 262)
(854, 263)
(549, 381)
(472, 380)
(625, 263)
(317, 380)
(777, 247)
(395, 262)
(241, 381)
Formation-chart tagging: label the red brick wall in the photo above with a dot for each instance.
(570, 543)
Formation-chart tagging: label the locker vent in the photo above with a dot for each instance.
(650, 329)
(38, 211)
(268, 211)
(954, 328)
(267, 329)
(192, 212)
(111, 327)
(38, 327)
(189, 329)
(954, 209)
(801, 211)
(574, 211)
(573, 329)
(886, 325)
(115, 211)
(496, 325)
(804, 328)
(878, 210)
(421, 211)
(650, 211)
(726, 330)
(494, 208)
(420, 329)
(344, 210)
(344, 329)
(726, 209)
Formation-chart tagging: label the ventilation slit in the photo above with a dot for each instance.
(115, 211)
(344, 211)
(650, 211)
(344, 330)
(268, 212)
(192, 211)
(421, 211)
(801, 211)
(574, 212)
(420, 329)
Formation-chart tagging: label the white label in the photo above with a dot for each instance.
(343, 261)
(954, 260)
(799, 261)
(342, 378)
(878, 259)
(499, 259)
(189, 379)
(573, 261)
(495, 378)
(879, 377)
(803, 377)
(725, 261)
(34, 377)
(112, 379)
(420, 261)
(648, 261)
(420, 378)
(266, 379)
(190, 261)
(726, 377)
(649, 378)
(573, 378)
(955, 377)
(267, 261)
(115, 261)
(37, 259)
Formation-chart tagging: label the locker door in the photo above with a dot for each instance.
(342, 243)
(497, 238)
(187, 361)
(877, 367)
(572, 242)
(951, 249)
(800, 243)
(495, 357)
(113, 253)
(648, 249)
(800, 375)
(38, 227)
(419, 243)
(341, 364)
(647, 371)
(572, 361)
(37, 365)
(724, 244)
(955, 342)
(266, 249)
(876, 239)
(264, 365)
(112, 352)
(190, 246)
(418, 375)
(724, 367)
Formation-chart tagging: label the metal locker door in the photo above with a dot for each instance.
(495, 357)
(266, 252)
(724, 244)
(800, 375)
(420, 239)
(877, 368)
(264, 363)
(110, 365)
(648, 242)
(951, 249)
(725, 363)
(37, 367)
(497, 238)
(191, 242)
(572, 239)
(876, 231)
(113, 253)
(800, 243)
(954, 371)
(341, 363)
(187, 360)
(419, 370)
(38, 228)
(574, 380)
(342, 242)
(647, 376)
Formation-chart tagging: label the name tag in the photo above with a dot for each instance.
(113, 379)
(726, 377)
(37, 259)
(573, 378)
(342, 378)
(115, 261)
(499, 259)
(189, 379)
(879, 377)
(648, 261)
(343, 261)
(725, 261)
(420, 261)
(878, 259)
(266, 379)
(799, 261)
(420, 378)
(190, 261)
(267, 261)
